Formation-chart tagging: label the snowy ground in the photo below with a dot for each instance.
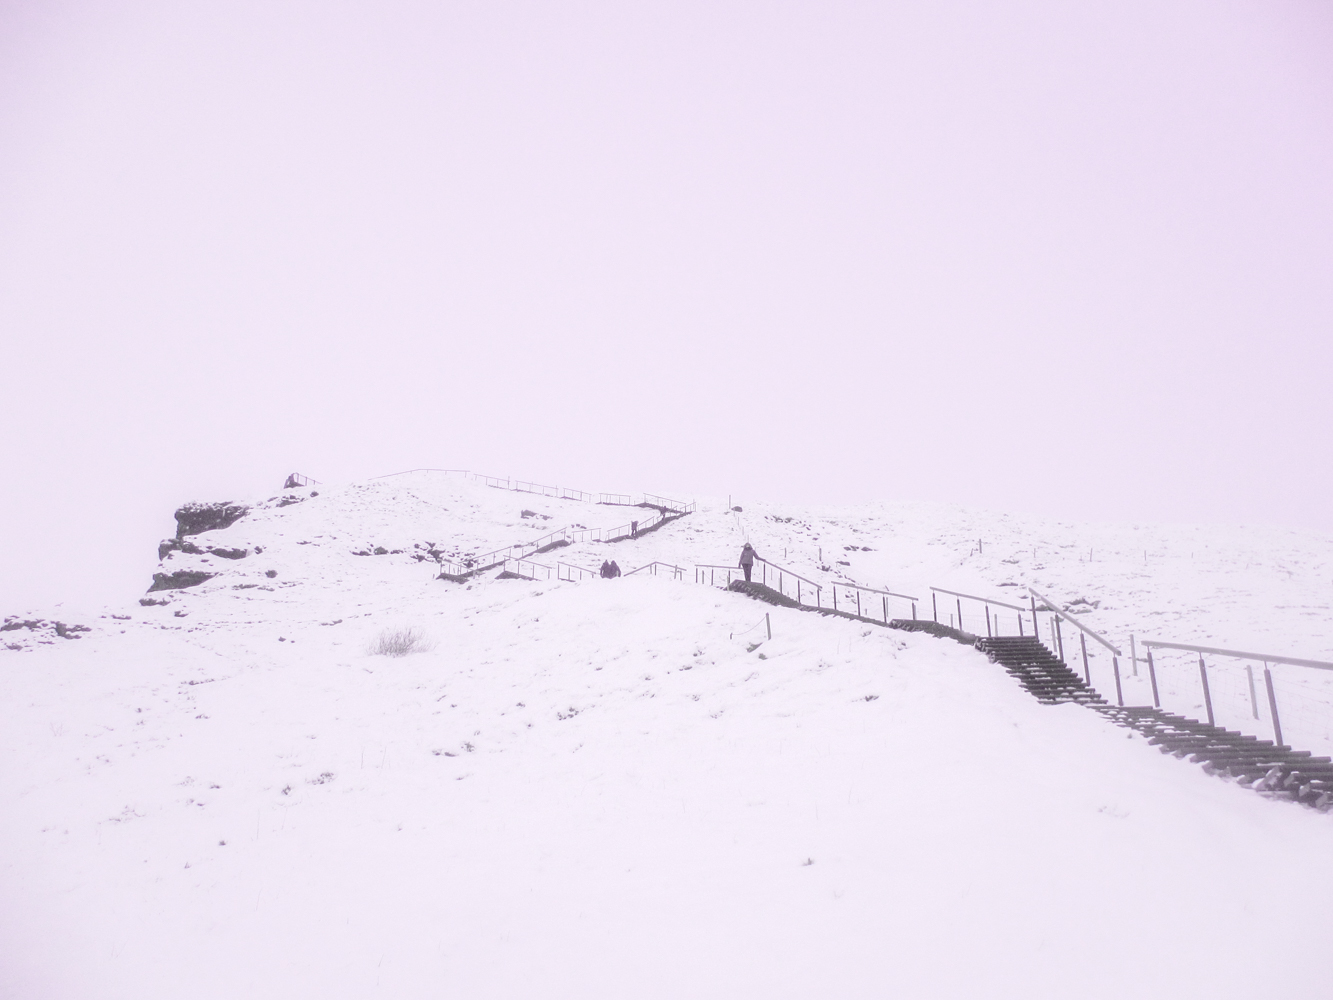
(602, 790)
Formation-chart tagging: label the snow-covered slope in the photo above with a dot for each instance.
(623, 788)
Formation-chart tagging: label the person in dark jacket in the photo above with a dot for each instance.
(606, 569)
(615, 569)
(747, 560)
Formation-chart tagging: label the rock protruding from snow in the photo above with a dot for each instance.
(196, 518)
(179, 580)
(38, 630)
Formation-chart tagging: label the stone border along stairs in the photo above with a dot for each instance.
(1273, 770)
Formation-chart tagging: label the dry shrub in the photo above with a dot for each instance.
(399, 642)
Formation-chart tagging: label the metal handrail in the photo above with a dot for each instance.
(676, 570)
(784, 569)
(616, 499)
(737, 569)
(571, 566)
(520, 563)
(983, 600)
(1075, 622)
(679, 505)
(890, 593)
(1261, 657)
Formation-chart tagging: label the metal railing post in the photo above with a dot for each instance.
(988, 631)
(1207, 695)
(1060, 639)
(1119, 697)
(1087, 676)
(1035, 631)
(1152, 676)
(934, 608)
(959, 602)
(1272, 707)
(1249, 679)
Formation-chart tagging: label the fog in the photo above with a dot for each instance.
(1064, 258)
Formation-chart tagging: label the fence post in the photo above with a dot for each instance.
(934, 608)
(1060, 639)
(1152, 676)
(768, 624)
(1087, 676)
(835, 597)
(1249, 677)
(1207, 695)
(1035, 631)
(798, 590)
(1133, 656)
(1119, 697)
(914, 611)
(1019, 616)
(959, 602)
(988, 631)
(1272, 706)
(858, 603)
(886, 609)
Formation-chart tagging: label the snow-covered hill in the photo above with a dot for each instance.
(624, 788)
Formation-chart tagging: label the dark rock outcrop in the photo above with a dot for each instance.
(179, 580)
(194, 518)
(169, 545)
(42, 627)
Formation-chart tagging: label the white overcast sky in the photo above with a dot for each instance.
(1073, 258)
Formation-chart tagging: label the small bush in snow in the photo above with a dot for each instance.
(398, 642)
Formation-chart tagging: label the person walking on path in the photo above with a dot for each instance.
(634, 529)
(615, 569)
(747, 560)
(606, 569)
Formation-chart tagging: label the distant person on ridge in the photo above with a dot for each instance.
(747, 560)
